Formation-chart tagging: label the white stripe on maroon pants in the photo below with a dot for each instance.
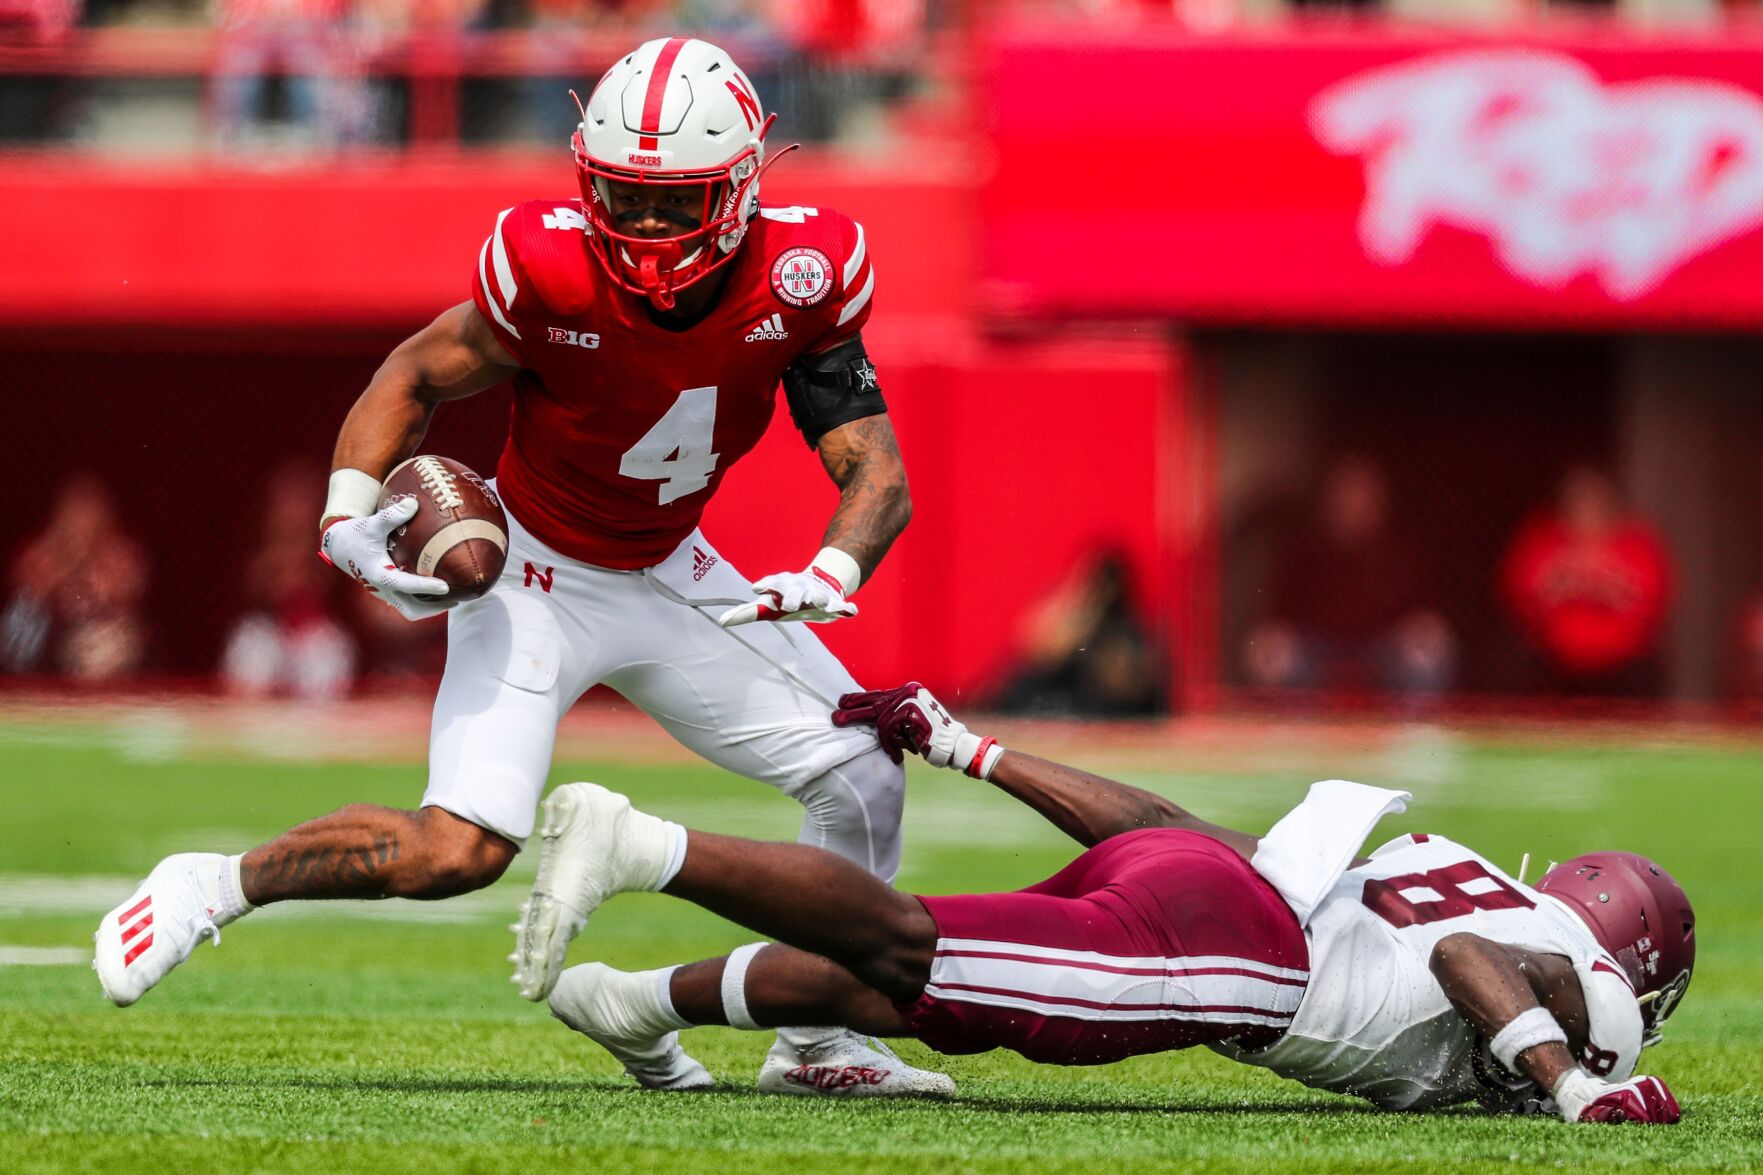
(1088, 985)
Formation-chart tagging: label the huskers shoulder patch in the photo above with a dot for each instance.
(801, 276)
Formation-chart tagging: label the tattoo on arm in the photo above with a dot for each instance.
(863, 459)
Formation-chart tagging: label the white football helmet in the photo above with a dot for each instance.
(677, 113)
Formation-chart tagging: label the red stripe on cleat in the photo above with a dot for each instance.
(143, 924)
(135, 951)
(136, 909)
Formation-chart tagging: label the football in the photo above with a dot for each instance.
(459, 532)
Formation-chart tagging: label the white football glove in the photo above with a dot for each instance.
(357, 547)
(1580, 1097)
(815, 594)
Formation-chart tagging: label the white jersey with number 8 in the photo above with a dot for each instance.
(1374, 1022)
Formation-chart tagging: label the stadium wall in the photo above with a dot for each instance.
(180, 325)
(185, 331)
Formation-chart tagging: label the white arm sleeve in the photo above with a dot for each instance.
(1613, 1047)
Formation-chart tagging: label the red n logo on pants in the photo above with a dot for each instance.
(544, 577)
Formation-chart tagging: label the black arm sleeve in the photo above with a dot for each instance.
(832, 388)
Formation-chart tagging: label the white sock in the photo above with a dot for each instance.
(646, 1003)
(676, 853)
(219, 878)
(664, 996)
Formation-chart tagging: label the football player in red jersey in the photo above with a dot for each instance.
(646, 325)
(1421, 976)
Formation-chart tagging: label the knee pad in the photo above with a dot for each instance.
(854, 810)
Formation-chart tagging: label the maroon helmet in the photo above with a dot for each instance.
(1641, 916)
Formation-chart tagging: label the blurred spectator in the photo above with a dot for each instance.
(1744, 669)
(844, 60)
(1086, 653)
(283, 48)
(552, 53)
(289, 644)
(76, 593)
(35, 21)
(1589, 582)
(298, 69)
(1346, 611)
(33, 109)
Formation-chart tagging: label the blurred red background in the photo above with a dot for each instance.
(1126, 303)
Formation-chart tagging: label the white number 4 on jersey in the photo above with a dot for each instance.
(676, 451)
(794, 214)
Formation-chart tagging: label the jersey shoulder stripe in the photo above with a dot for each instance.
(493, 259)
(544, 244)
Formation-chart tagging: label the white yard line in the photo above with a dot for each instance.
(43, 956)
(94, 894)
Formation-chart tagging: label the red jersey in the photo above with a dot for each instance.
(624, 422)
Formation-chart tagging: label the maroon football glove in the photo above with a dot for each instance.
(899, 727)
(1643, 1099)
(1581, 1097)
(909, 718)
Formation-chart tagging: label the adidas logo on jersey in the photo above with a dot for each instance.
(702, 562)
(770, 330)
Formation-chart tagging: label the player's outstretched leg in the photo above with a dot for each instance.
(361, 851)
(637, 1016)
(881, 939)
(596, 845)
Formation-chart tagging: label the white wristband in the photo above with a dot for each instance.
(841, 567)
(1527, 1030)
(354, 494)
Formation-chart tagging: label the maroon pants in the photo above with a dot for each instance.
(1154, 940)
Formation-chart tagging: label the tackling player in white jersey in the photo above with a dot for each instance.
(1422, 976)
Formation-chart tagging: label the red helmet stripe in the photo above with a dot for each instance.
(658, 90)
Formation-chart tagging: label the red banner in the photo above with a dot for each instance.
(1367, 176)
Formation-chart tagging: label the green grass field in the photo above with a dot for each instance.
(385, 1037)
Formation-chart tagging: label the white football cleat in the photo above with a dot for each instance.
(591, 999)
(141, 940)
(594, 845)
(848, 1065)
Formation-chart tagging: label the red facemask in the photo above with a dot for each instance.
(659, 268)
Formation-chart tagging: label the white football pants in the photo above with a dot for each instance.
(756, 699)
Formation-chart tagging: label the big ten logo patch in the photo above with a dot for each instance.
(801, 276)
(572, 338)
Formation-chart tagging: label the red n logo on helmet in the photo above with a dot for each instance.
(748, 100)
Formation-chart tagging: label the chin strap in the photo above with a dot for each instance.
(659, 290)
(655, 270)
